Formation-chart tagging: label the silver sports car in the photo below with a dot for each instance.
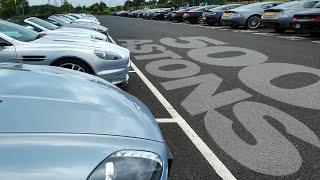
(279, 18)
(104, 59)
(66, 125)
(61, 21)
(46, 27)
(248, 15)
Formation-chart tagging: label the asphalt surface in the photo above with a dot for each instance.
(252, 96)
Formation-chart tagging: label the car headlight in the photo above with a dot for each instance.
(107, 55)
(129, 164)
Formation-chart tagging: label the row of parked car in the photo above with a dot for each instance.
(62, 117)
(301, 16)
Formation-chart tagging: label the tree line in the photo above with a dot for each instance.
(21, 8)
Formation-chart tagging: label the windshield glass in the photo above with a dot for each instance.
(60, 20)
(63, 19)
(43, 23)
(290, 5)
(250, 6)
(17, 32)
(224, 7)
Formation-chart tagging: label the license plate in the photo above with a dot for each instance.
(297, 26)
(269, 13)
(226, 14)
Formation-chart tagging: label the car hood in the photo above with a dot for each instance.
(60, 41)
(56, 100)
(78, 32)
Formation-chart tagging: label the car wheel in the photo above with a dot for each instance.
(74, 64)
(253, 22)
(280, 29)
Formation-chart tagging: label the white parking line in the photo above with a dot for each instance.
(212, 159)
(316, 42)
(292, 38)
(165, 120)
(131, 71)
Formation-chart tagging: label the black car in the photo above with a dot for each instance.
(159, 14)
(307, 21)
(213, 16)
(178, 15)
(193, 16)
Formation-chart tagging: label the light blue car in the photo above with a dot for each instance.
(62, 124)
(104, 59)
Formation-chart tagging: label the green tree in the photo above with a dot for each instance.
(66, 7)
(13, 8)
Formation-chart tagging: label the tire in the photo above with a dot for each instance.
(74, 64)
(253, 22)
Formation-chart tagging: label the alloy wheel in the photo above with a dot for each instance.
(253, 22)
(72, 66)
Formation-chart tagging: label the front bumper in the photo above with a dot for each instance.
(306, 27)
(234, 20)
(117, 75)
(177, 17)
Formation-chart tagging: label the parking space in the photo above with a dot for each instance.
(289, 35)
(251, 96)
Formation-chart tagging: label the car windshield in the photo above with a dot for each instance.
(17, 32)
(223, 7)
(250, 6)
(291, 5)
(70, 17)
(66, 18)
(43, 23)
(60, 20)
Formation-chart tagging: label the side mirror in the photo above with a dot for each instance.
(30, 28)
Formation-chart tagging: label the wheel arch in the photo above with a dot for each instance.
(63, 58)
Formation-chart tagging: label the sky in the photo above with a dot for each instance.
(76, 2)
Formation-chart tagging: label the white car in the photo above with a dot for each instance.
(40, 25)
(103, 59)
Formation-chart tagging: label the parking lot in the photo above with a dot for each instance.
(231, 103)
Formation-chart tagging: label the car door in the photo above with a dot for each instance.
(7, 52)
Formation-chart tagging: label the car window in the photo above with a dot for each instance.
(43, 23)
(310, 4)
(17, 32)
(291, 5)
(250, 6)
(267, 6)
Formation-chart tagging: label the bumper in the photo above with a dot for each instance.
(190, 18)
(234, 21)
(212, 19)
(306, 27)
(276, 22)
(177, 18)
(117, 75)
